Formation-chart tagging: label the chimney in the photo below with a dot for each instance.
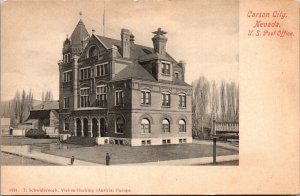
(182, 65)
(131, 39)
(159, 41)
(125, 37)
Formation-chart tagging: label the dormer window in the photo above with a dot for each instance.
(166, 67)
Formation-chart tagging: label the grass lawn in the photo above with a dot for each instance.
(12, 141)
(128, 154)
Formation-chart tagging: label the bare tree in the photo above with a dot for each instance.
(48, 96)
(223, 101)
(214, 100)
(201, 93)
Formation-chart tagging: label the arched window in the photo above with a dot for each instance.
(182, 126)
(145, 124)
(93, 51)
(67, 124)
(120, 125)
(166, 125)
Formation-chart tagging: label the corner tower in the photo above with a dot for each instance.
(78, 38)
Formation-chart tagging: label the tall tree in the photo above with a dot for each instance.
(214, 100)
(223, 100)
(201, 89)
(48, 96)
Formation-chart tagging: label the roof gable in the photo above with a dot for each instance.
(48, 105)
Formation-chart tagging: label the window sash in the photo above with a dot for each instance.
(85, 73)
(166, 128)
(119, 97)
(102, 70)
(145, 128)
(145, 98)
(166, 99)
(166, 69)
(66, 102)
(182, 101)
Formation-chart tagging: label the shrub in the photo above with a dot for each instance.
(36, 134)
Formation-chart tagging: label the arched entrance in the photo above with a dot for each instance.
(102, 127)
(95, 127)
(78, 127)
(85, 127)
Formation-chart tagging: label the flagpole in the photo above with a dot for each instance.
(103, 19)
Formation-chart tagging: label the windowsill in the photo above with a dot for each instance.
(166, 75)
(165, 106)
(119, 105)
(165, 132)
(182, 131)
(85, 79)
(119, 133)
(102, 75)
(145, 133)
(145, 105)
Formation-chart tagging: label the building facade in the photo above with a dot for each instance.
(125, 92)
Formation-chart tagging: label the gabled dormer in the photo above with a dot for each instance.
(94, 49)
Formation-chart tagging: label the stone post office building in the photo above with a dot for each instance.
(125, 92)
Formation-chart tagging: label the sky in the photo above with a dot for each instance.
(203, 33)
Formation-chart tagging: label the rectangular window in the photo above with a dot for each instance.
(85, 73)
(145, 98)
(168, 141)
(67, 58)
(119, 96)
(166, 99)
(67, 76)
(148, 142)
(84, 97)
(164, 142)
(180, 141)
(166, 68)
(177, 75)
(101, 96)
(184, 140)
(143, 142)
(66, 102)
(182, 101)
(102, 69)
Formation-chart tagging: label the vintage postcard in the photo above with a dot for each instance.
(149, 97)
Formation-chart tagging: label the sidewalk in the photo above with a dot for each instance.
(224, 145)
(193, 161)
(24, 151)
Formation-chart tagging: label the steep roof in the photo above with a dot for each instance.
(136, 51)
(135, 71)
(49, 105)
(79, 33)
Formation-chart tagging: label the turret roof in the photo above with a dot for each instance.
(79, 33)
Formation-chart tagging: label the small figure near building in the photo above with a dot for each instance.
(72, 160)
(10, 131)
(107, 158)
